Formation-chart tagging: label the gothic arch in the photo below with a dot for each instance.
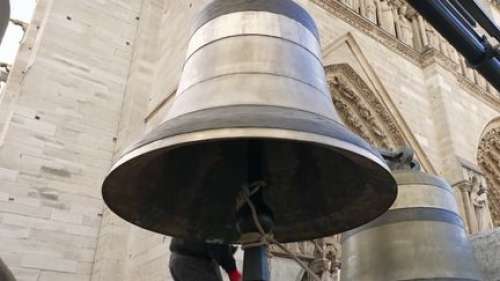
(360, 108)
(488, 159)
(365, 113)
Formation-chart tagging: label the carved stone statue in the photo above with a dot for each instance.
(432, 36)
(325, 264)
(353, 4)
(371, 10)
(479, 198)
(405, 28)
(386, 17)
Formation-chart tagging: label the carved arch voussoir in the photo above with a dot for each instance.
(489, 160)
(361, 110)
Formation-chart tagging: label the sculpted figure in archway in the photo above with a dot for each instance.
(432, 36)
(405, 28)
(386, 17)
(371, 10)
(479, 198)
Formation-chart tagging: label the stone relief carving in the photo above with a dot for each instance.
(370, 10)
(405, 30)
(489, 161)
(473, 200)
(361, 110)
(325, 264)
(380, 19)
(386, 17)
(479, 198)
(321, 255)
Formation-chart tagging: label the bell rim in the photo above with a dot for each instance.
(247, 133)
(408, 177)
(265, 123)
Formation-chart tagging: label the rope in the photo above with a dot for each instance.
(268, 239)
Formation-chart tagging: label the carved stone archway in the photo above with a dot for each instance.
(361, 109)
(489, 161)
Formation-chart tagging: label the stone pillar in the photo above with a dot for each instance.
(469, 216)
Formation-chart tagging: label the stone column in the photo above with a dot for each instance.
(470, 216)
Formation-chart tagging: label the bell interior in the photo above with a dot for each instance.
(190, 190)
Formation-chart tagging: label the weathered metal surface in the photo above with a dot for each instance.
(252, 78)
(5, 273)
(421, 237)
(4, 17)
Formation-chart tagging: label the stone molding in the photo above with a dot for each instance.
(349, 16)
(422, 54)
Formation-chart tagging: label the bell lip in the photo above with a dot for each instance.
(248, 133)
(4, 17)
(409, 177)
(246, 122)
(288, 8)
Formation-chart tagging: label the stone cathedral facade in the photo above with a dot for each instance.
(93, 76)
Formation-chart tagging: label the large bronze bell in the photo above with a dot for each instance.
(4, 17)
(253, 105)
(421, 237)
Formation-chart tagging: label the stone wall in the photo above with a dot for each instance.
(58, 122)
(487, 250)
